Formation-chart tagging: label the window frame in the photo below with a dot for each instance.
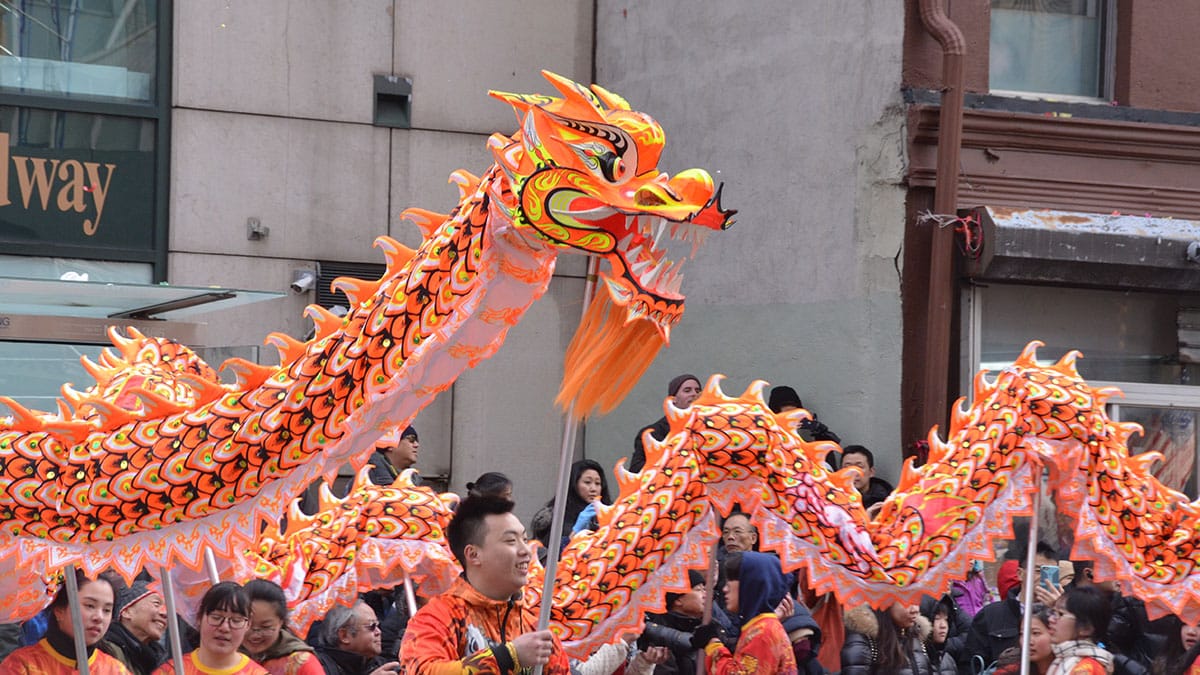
(1108, 65)
(159, 111)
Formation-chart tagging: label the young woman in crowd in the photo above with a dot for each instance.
(1181, 653)
(491, 484)
(1077, 624)
(890, 642)
(223, 620)
(588, 485)
(1041, 648)
(54, 654)
(269, 641)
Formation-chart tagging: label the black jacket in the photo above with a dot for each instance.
(673, 631)
(995, 628)
(877, 490)
(859, 649)
(340, 662)
(141, 658)
(659, 431)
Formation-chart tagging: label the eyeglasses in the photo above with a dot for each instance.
(234, 622)
(1056, 613)
(263, 630)
(373, 626)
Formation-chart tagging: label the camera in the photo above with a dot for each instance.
(303, 281)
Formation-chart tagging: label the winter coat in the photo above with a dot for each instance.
(141, 658)
(860, 651)
(658, 431)
(995, 628)
(877, 490)
(289, 656)
(762, 649)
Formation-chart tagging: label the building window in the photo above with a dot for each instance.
(85, 129)
(103, 50)
(1052, 47)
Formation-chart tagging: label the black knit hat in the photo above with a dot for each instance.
(781, 396)
(130, 595)
(410, 432)
(673, 387)
(695, 577)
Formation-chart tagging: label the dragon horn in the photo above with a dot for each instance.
(327, 323)
(97, 371)
(580, 102)
(397, 254)
(613, 101)
(249, 374)
(24, 419)
(466, 181)
(126, 345)
(356, 290)
(755, 390)
(1028, 357)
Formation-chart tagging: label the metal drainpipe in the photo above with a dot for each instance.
(945, 201)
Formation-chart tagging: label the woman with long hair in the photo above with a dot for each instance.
(1077, 625)
(54, 654)
(588, 485)
(223, 620)
(1041, 649)
(268, 639)
(886, 641)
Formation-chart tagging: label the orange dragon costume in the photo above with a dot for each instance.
(158, 480)
(162, 480)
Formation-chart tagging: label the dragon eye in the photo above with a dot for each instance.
(611, 166)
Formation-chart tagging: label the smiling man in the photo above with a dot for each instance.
(482, 623)
(139, 621)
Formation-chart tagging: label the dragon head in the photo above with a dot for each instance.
(583, 172)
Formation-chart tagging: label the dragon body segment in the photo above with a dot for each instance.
(158, 482)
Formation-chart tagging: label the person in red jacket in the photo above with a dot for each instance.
(55, 653)
(481, 625)
(753, 589)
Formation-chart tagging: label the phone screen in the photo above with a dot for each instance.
(1048, 575)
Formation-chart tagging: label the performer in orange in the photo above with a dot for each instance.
(753, 589)
(482, 623)
(223, 619)
(55, 653)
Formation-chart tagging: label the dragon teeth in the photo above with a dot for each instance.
(625, 241)
(639, 268)
(651, 279)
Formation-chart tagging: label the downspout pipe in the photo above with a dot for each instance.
(936, 371)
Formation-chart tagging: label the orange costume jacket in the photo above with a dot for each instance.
(762, 649)
(42, 659)
(463, 631)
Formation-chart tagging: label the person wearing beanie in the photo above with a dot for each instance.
(55, 653)
(394, 452)
(673, 629)
(684, 389)
(139, 621)
(783, 399)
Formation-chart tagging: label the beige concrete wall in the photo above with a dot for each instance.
(273, 104)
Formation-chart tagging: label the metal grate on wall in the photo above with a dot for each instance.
(328, 270)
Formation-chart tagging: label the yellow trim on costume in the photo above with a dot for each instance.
(224, 671)
(70, 663)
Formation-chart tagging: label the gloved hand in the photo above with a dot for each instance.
(705, 634)
(586, 516)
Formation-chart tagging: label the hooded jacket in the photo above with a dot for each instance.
(763, 646)
(860, 651)
(463, 631)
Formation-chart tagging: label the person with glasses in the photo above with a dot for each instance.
(1077, 626)
(269, 641)
(223, 619)
(351, 643)
(54, 654)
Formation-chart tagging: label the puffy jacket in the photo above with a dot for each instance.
(859, 650)
(464, 631)
(995, 628)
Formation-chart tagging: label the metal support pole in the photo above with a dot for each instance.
(564, 475)
(410, 596)
(210, 564)
(172, 620)
(1031, 575)
(710, 592)
(81, 654)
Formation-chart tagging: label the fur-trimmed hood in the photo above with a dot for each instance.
(863, 620)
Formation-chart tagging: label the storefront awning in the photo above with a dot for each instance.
(1085, 249)
(101, 300)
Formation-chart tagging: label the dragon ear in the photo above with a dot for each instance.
(613, 101)
(521, 103)
(578, 102)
